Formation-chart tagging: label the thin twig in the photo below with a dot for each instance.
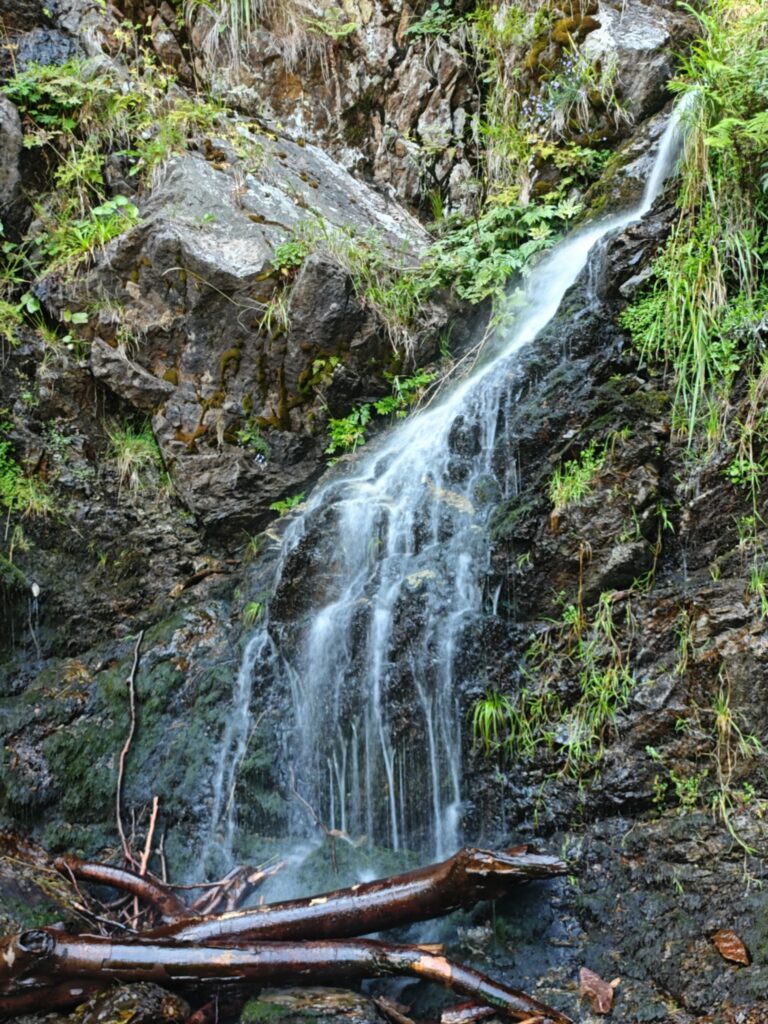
(126, 747)
(145, 855)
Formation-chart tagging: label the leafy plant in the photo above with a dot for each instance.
(10, 321)
(573, 480)
(284, 505)
(137, 455)
(69, 240)
(349, 432)
(491, 716)
(250, 436)
(290, 255)
(252, 612)
(570, 722)
(707, 292)
(20, 494)
(438, 19)
(333, 23)
(80, 112)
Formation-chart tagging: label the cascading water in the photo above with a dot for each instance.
(402, 586)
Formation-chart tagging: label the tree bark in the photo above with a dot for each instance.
(62, 959)
(168, 905)
(461, 881)
(297, 941)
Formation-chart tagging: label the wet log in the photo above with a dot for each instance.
(461, 881)
(168, 905)
(46, 954)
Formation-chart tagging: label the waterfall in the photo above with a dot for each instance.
(400, 584)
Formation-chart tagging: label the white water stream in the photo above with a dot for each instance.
(406, 554)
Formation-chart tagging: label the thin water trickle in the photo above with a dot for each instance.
(374, 670)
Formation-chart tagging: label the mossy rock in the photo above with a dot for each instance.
(142, 1003)
(31, 894)
(319, 1005)
(11, 577)
(510, 516)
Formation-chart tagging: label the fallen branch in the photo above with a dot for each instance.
(231, 953)
(124, 752)
(461, 881)
(169, 906)
(50, 954)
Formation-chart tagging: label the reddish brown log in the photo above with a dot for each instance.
(72, 958)
(466, 1013)
(41, 997)
(169, 906)
(461, 881)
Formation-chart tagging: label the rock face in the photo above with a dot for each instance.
(201, 324)
(638, 39)
(238, 368)
(11, 202)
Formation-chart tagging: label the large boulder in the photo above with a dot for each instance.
(11, 202)
(234, 351)
(640, 41)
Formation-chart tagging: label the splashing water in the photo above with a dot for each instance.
(373, 660)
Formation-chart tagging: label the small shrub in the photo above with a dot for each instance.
(285, 505)
(137, 456)
(573, 480)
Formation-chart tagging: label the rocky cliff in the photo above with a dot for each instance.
(229, 287)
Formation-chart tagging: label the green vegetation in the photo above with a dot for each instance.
(349, 432)
(250, 436)
(700, 319)
(727, 754)
(573, 480)
(252, 612)
(581, 681)
(137, 455)
(439, 19)
(20, 495)
(81, 112)
(10, 321)
(284, 505)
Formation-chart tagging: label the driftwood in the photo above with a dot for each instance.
(463, 880)
(296, 941)
(44, 954)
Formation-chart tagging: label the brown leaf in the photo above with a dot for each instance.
(730, 946)
(599, 992)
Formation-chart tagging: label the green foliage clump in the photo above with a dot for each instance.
(10, 321)
(68, 238)
(284, 505)
(80, 113)
(349, 432)
(478, 258)
(20, 494)
(581, 681)
(439, 19)
(250, 436)
(708, 296)
(702, 317)
(573, 480)
(290, 255)
(137, 456)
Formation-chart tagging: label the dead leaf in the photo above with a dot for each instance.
(599, 992)
(730, 946)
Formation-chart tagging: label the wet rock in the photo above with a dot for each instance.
(31, 895)
(299, 1006)
(142, 1003)
(211, 353)
(11, 201)
(640, 41)
(126, 379)
(44, 46)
